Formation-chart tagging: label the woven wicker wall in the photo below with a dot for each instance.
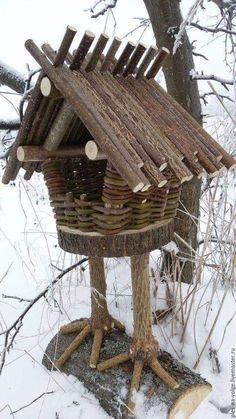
(92, 197)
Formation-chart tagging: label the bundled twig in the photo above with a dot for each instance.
(17, 324)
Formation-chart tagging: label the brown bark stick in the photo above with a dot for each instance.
(122, 60)
(158, 62)
(134, 60)
(33, 153)
(97, 51)
(82, 50)
(65, 45)
(149, 56)
(110, 56)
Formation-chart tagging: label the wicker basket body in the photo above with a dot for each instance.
(90, 196)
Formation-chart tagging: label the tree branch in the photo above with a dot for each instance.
(17, 324)
(11, 78)
(212, 30)
(12, 124)
(197, 76)
(104, 10)
(204, 95)
(33, 401)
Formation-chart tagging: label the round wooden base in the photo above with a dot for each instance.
(128, 243)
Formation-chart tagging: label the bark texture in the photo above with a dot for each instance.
(118, 245)
(165, 15)
(143, 347)
(11, 78)
(100, 316)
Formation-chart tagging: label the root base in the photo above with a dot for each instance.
(107, 386)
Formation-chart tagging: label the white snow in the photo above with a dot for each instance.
(171, 247)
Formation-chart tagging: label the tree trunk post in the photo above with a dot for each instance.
(165, 15)
(100, 317)
(143, 346)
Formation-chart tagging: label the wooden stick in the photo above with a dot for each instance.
(180, 170)
(122, 134)
(72, 347)
(138, 138)
(67, 83)
(151, 53)
(82, 50)
(134, 60)
(48, 89)
(186, 133)
(121, 62)
(65, 45)
(97, 342)
(164, 375)
(37, 153)
(96, 54)
(192, 124)
(73, 327)
(162, 54)
(13, 165)
(93, 152)
(113, 362)
(161, 140)
(60, 125)
(172, 144)
(134, 387)
(110, 56)
(42, 122)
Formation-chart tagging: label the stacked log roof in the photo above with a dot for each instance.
(117, 103)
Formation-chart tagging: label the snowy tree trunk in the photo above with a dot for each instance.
(166, 18)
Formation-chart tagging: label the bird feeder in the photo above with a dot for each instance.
(114, 149)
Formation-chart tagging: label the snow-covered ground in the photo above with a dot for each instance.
(29, 257)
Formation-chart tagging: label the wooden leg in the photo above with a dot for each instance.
(144, 348)
(101, 321)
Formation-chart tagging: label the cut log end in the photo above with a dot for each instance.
(186, 179)
(89, 34)
(138, 187)
(20, 154)
(188, 401)
(162, 183)
(45, 86)
(214, 174)
(162, 167)
(71, 28)
(93, 152)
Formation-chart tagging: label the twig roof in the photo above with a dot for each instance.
(118, 104)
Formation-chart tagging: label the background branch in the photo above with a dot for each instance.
(17, 324)
(11, 78)
(12, 124)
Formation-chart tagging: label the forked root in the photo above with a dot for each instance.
(137, 372)
(97, 342)
(76, 326)
(113, 362)
(85, 327)
(72, 347)
(164, 375)
(134, 387)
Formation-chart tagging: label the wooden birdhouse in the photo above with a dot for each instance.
(114, 149)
